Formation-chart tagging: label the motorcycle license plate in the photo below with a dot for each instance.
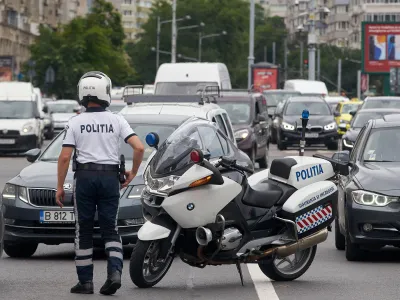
(312, 135)
(57, 216)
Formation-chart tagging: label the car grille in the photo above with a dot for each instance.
(316, 129)
(42, 197)
(8, 133)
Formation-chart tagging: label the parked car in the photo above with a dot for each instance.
(343, 113)
(359, 120)
(369, 197)
(249, 115)
(188, 105)
(321, 128)
(381, 102)
(62, 111)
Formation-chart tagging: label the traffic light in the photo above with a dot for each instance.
(306, 63)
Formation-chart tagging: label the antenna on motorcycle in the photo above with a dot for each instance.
(304, 121)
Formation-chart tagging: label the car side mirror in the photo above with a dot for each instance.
(352, 113)
(343, 127)
(33, 154)
(45, 109)
(336, 114)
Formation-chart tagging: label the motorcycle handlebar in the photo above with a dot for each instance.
(232, 163)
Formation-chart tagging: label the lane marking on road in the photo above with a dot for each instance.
(263, 285)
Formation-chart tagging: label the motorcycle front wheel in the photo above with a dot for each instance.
(146, 268)
(289, 268)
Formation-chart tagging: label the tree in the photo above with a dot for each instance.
(90, 43)
(231, 16)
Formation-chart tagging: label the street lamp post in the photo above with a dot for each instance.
(174, 31)
(251, 43)
(190, 27)
(187, 57)
(159, 23)
(178, 55)
(202, 37)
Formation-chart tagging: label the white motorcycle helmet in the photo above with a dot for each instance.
(95, 87)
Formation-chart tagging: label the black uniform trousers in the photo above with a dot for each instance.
(96, 189)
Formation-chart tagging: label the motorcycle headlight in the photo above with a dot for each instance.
(330, 126)
(287, 126)
(160, 184)
(347, 143)
(372, 199)
(136, 192)
(27, 128)
(9, 191)
(241, 134)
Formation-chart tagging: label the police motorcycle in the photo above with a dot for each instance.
(274, 218)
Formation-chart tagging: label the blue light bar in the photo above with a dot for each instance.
(305, 114)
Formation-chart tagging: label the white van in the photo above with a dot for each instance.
(309, 87)
(20, 119)
(188, 78)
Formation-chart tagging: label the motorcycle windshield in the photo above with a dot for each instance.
(174, 154)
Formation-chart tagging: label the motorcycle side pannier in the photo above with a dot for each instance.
(312, 208)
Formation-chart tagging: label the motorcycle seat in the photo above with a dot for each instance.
(268, 193)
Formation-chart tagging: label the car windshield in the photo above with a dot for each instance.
(274, 99)
(349, 107)
(181, 88)
(383, 145)
(174, 154)
(54, 149)
(360, 119)
(17, 109)
(382, 103)
(239, 113)
(62, 107)
(315, 108)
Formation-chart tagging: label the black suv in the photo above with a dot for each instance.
(249, 116)
(321, 128)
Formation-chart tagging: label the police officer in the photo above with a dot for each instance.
(94, 136)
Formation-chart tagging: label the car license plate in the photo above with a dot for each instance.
(57, 216)
(7, 141)
(311, 135)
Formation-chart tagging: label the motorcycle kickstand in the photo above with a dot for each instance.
(239, 268)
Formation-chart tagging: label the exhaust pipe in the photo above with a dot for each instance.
(302, 244)
(203, 236)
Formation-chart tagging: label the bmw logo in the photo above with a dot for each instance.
(190, 206)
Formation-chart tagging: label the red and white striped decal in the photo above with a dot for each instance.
(313, 218)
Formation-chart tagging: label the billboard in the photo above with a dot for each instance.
(265, 78)
(6, 68)
(380, 46)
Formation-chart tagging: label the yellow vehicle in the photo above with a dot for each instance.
(342, 113)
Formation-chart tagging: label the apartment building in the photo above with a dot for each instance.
(134, 15)
(370, 10)
(20, 20)
(274, 7)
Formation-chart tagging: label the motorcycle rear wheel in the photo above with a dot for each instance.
(298, 266)
(145, 267)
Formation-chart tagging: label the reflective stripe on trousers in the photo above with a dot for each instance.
(96, 190)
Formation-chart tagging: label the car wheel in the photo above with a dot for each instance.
(20, 250)
(340, 240)
(273, 136)
(279, 142)
(263, 162)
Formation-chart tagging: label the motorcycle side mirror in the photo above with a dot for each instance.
(342, 156)
(152, 139)
(32, 154)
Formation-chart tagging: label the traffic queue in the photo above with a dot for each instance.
(202, 140)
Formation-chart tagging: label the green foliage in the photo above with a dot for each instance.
(94, 42)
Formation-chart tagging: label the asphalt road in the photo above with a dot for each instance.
(50, 273)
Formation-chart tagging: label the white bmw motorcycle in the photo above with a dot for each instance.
(274, 218)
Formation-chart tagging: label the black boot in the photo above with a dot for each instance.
(83, 288)
(112, 284)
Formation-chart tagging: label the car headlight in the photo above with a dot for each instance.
(344, 121)
(136, 192)
(330, 126)
(47, 121)
(27, 128)
(241, 134)
(372, 199)
(347, 143)
(9, 191)
(160, 184)
(287, 126)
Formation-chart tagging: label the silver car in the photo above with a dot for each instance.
(62, 111)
